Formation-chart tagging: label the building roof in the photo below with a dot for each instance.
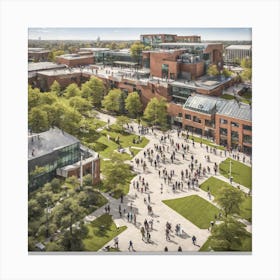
(239, 47)
(74, 56)
(37, 50)
(48, 141)
(57, 72)
(209, 105)
(183, 44)
(37, 66)
(94, 49)
(236, 110)
(204, 104)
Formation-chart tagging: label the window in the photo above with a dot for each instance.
(247, 127)
(164, 70)
(209, 123)
(223, 121)
(188, 117)
(223, 131)
(247, 139)
(234, 136)
(234, 124)
(196, 119)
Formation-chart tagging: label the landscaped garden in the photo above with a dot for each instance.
(241, 173)
(101, 231)
(195, 209)
(215, 185)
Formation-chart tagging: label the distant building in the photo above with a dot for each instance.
(235, 53)
(37, 54)
(74, 60)
(56, 153)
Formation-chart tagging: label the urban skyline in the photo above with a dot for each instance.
(242, 34)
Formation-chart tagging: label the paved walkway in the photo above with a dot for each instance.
(162, 213)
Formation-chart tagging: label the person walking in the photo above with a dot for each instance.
(194, 240)
(116, 242)
(130, 246)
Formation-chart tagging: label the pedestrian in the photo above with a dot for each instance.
(194, 240)
(116, 242)
(165, 249)
(179, 249)
(130, 246)
(142, 232)
(148, 237)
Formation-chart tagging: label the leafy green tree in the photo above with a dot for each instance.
(38, 120)
(111, 101)
(34, 97)
(55, 185)
(44, 199)
(87, 180)
(70, 121)
(86, 91)
(54, 247)
(156, 112)
(246, 74)
(80, 104)
(55, 87)
(48, 98)
(136, 51)
(34, 209)
(72, 90)
(226, 72)
(73, 181)
(53, 54)
(213, 70)
(121, 121)
(228, 235)
(51, 112)
(97, 91)
(133, 104)
(116, 172)
(230, 200)
(246, 63)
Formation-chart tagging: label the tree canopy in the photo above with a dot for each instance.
(72, 90)
(111, 101)
(133, 104)
(136, 50)
(213, 70)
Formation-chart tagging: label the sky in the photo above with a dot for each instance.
(134, 33)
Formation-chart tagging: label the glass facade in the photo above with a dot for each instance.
(49, 163)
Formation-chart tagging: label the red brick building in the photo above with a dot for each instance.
(38, 54)
(75, 60)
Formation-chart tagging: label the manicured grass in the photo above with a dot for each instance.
(206, 142)
(246, 246)
(215, 185)
(101, 231)
(195, 209)
(241, 173)
(227, 96)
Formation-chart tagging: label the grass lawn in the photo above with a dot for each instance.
(215, 185)
(227, 96)
(195, 209)
(101, 231)
(206, 142)
(246, 246)
(241, 173)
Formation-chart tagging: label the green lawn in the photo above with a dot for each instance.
(241, 173)
(206, 142)
(101, 231)
(245, 247)
(215, 185)
(195, 209)
(227, 96)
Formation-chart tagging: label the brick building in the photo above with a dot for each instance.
(37, 54)
(56, 153)
(75, 60)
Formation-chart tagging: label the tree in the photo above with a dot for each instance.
(72, 90)
(228, 235)
(246, 63)
(213, 70)
(80, 104)
(97, 91)
(156, 112)
(38, 120)
(230, 200)
(54, 247)
(226, 73)
(33, 97)
(73, 181)
(116, 172)
(111, 101)
(48, 98)
(246, 74)
(133, 104)
(86, 91)
(51, 112)
(71, 120)
(87, 180)
(55, 185)
(121, 121)
(136, 51)
(34, 209)
(55, 87)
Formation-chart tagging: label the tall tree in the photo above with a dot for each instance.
(156, 112)
(34, 97)
(38, 120)
(70, 121)
(228, 235)
(111, 101)
(97, 91)
(213, 70)
(55, 87)
(230, 200)
(72, 90)
(133, 104)
(121, 121)
(136, 51)
(80, 104)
